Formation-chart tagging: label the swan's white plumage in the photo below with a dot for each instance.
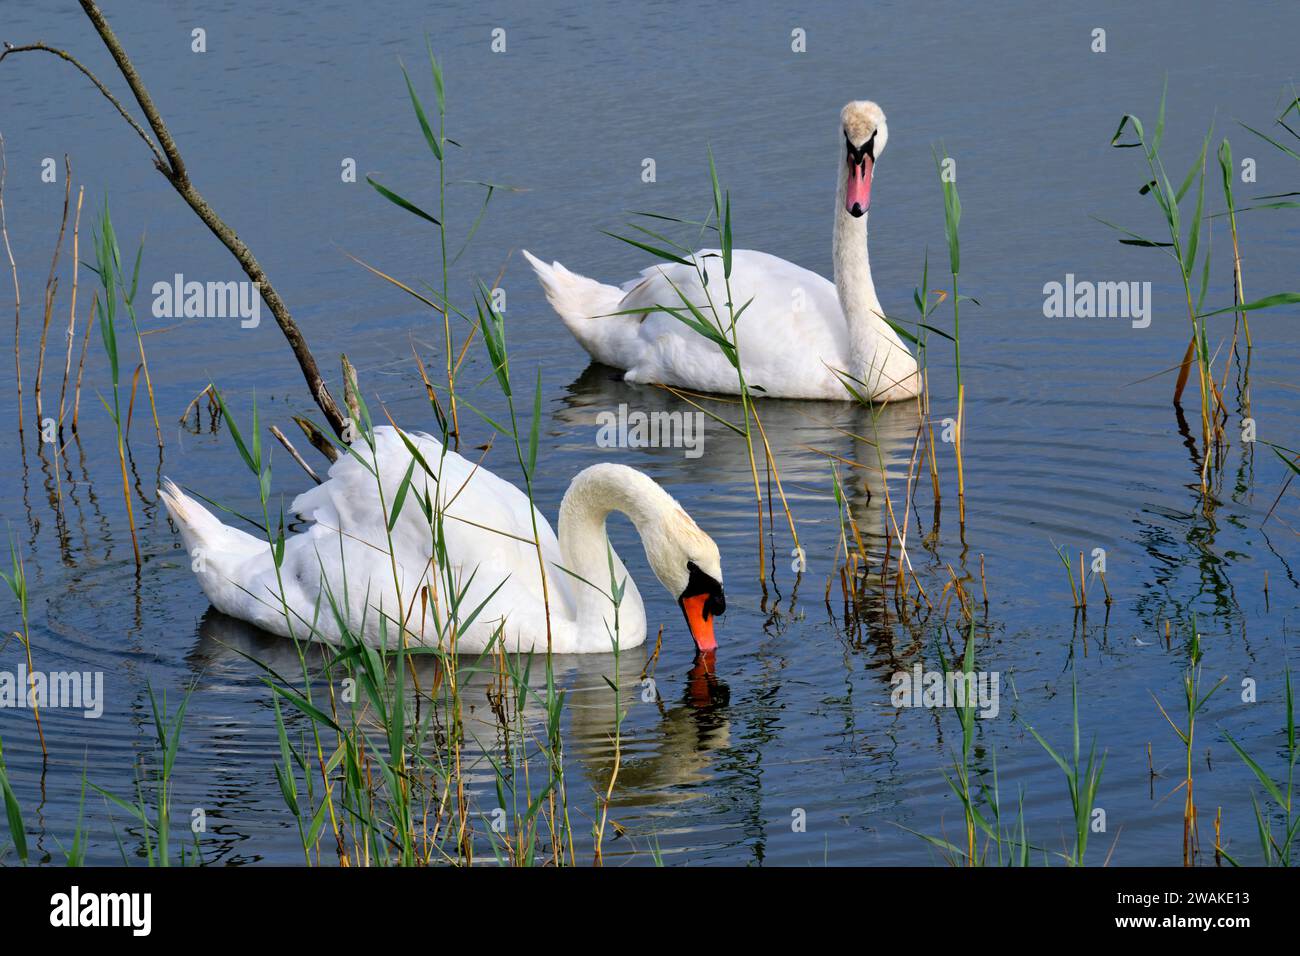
(792, 338)
(340, 564)
(797, 330)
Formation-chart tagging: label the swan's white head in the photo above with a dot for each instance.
(687, 563)
(865, 135)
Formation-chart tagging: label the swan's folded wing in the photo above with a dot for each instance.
(789, 325)
(487, 526)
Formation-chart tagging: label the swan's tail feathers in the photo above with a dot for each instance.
(205, 536)
(587, 308)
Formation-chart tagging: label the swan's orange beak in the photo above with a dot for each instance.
(701, 602)
(857, 197)
(700, 621)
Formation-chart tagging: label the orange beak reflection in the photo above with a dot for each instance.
(700, 621)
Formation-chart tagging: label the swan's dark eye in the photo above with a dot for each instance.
(701, 583)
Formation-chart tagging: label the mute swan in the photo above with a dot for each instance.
(796, 334)
(342, 560)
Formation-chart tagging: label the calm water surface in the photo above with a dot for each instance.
(1069, 440)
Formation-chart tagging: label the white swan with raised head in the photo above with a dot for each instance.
(799, 336)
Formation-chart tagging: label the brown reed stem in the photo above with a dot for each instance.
(1083, 584)
(148, 382)
(776, 474)
(51, 289)
(72, 310)
(18, 298)
(81, 365)
(1236, 274)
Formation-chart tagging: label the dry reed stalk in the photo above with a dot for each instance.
(1191, 834)
(18, 298)
(72, 309)
(1218, 845)
(51, 290)
(194, 404)
(1083, 585)
(946, 606)
(1236, 277)
(899, 533)
(746, 406)
(148, 385)
(967, 609)
(428, 386)
(653, 660)
(81, 365)
(130, 405)
(776, 474)
(31, 677)
(984, 584)
(126, 496)
(1184, 370)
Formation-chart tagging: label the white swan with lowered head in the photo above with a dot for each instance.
(341, 565)
(798, 331)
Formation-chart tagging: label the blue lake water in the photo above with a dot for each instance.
(1071, 437)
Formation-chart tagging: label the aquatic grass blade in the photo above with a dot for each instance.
(397, 200)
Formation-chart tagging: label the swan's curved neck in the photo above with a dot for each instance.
(584, 542)
(857, 292)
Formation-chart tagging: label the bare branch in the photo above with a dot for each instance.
(159, 160)
(172, 166)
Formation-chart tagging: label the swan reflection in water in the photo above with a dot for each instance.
(810, 443)
(666, 747)
(805, 437)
